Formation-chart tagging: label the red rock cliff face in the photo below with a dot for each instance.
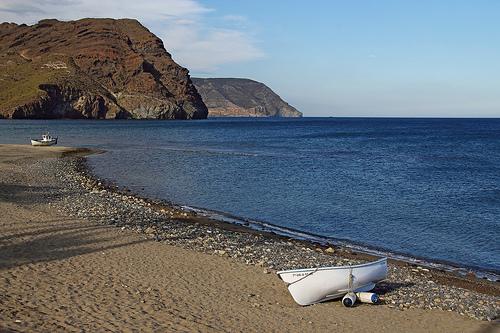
(92, 68)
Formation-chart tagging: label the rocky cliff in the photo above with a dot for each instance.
(242, 98)
(92, 68)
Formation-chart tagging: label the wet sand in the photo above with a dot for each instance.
(61, 273)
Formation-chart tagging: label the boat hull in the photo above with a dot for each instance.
(314, 285)
(43, 143)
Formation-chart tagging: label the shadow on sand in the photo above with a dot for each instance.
(56, 242)
(26, 195)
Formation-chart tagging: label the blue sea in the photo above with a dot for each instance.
(422, 188)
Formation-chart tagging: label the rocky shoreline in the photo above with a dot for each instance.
(408, 286)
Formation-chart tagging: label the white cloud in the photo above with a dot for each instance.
(31, 11)
(182, 24)
(204, 49)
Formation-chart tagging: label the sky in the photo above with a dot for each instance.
(410, 58)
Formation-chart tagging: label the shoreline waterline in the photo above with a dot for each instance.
(267, 228)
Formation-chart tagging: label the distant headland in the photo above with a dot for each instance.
(230, 97)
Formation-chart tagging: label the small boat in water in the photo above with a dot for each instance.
(46, 140)
(314, 285)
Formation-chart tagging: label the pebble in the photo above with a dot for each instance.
(330, 250)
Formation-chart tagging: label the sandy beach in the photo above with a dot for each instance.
(64, 270)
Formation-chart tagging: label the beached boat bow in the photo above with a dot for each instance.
(314, 285)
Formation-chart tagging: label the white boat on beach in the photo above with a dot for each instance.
(46, 140)
(314, 285)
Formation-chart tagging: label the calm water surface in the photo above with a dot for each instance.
(422, 187)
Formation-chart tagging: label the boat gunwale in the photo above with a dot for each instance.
(301, 270)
